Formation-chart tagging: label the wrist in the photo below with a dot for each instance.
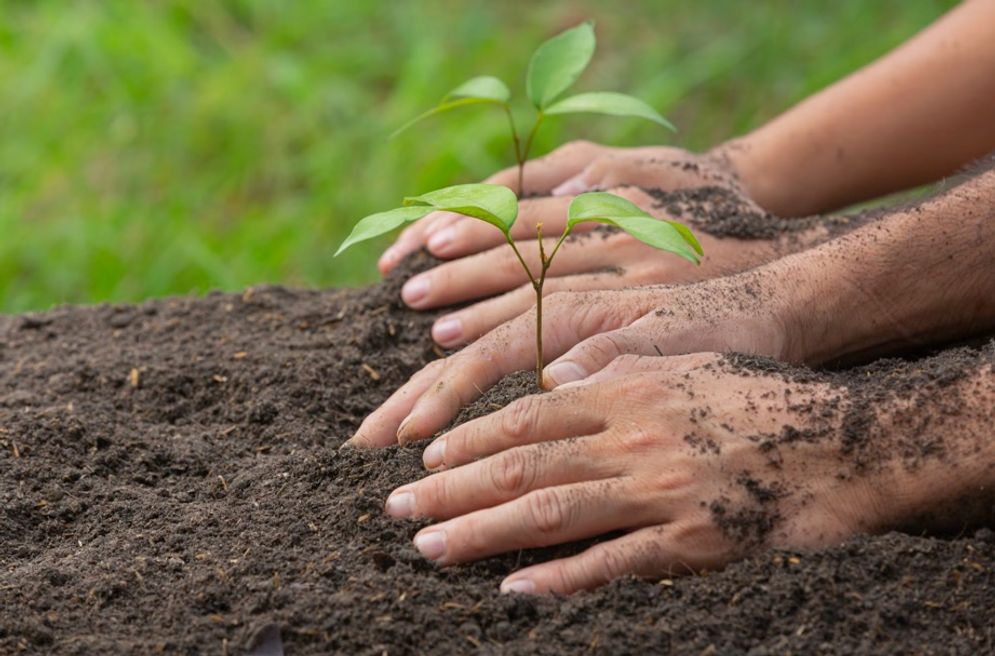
(758, 171)
(940, 476)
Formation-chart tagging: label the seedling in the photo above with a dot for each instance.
(498, 205)
(554, 67)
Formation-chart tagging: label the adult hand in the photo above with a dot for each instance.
(744, 313)
(681, 452)
(570, 169)
(703, 459)
(588, 261)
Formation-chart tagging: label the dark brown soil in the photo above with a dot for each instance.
(171, 483)
(724, 213)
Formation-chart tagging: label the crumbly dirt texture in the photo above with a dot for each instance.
(171, 483)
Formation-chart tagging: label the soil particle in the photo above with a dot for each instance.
(208, 506)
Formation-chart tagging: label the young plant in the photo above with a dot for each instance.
(498, 205)
(554, 67)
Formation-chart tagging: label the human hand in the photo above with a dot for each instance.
(589, 261)
(693, 456)
(573, 168)
(586, 331)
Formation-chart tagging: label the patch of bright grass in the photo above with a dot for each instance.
(153, 148)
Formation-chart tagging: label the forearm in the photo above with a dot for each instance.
(914, 277)
(912, 117)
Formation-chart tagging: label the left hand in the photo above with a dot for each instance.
(686, 453)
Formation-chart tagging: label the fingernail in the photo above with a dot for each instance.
(521, 586)
(388, 257)
(415, 290)
(570, 188)
(400, 504)
(432, 545)
(435, 454)
(401, 437)
(440, 242)
(446, 331)
(565, 372)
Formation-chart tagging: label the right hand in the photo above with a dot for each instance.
(569, 170)
(744, 313)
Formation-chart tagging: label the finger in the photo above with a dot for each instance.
(649, 552)
(540, 518)
(501, 478)
(625, 365)
(496, 271)
(596, 352)
(632, 167)
(588, 179)
(569, 318)
(470, 323)
(468, 236)
(413, 238)
(531, 419)
(544, 173)
(379, 429)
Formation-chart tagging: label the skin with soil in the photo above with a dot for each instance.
(171, 483)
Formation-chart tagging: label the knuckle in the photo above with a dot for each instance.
(607, 346)
(612, 563)
(510, 472)
(518, 420)
(629, 362)
(432, 494)
(639, 439)
(547, 510)
(576, 146)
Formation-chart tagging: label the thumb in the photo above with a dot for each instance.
(589, 178)
(594, 354)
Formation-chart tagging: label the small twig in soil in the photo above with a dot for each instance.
(374, 374)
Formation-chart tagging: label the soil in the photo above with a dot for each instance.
(171, 483)
(724, 213)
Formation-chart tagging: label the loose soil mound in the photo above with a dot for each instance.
(171, 483)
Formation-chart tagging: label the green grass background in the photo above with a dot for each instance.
(159, 147)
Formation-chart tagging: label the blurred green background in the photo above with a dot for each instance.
(175, 146)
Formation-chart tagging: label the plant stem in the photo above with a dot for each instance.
(519, 158)
(521, 260)
(538, 285)
(524, 153)
(538, 289)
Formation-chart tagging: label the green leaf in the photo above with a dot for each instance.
(485, 87)
(495, 204)
(475, 91)
(381, 223)
(608, 102)
(558, 63)
(601, 207)
(688, 236)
